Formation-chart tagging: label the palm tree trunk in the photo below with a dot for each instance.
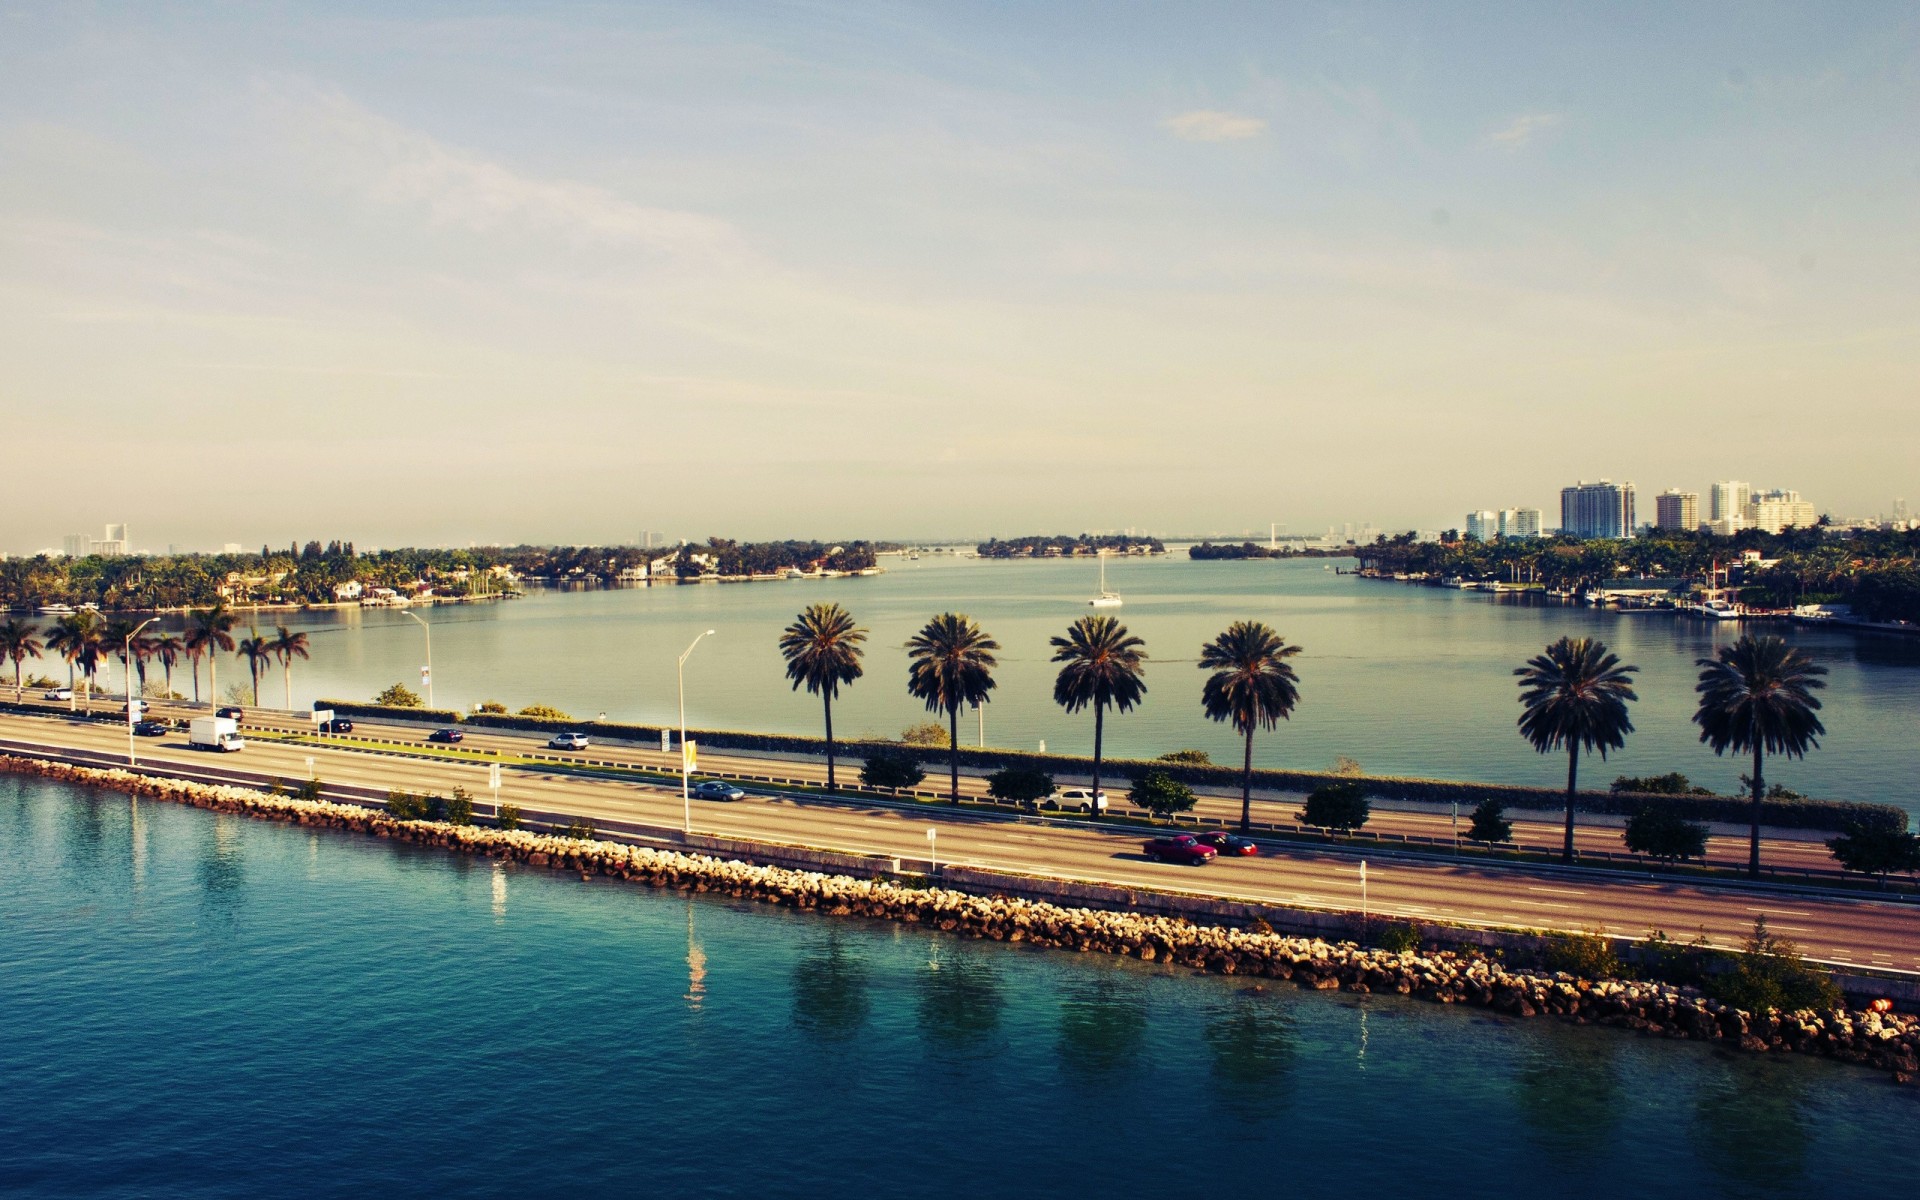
(72, 683)
(1759, 798)
(213, 676)
(196, 678)
(286, 677)
(1099, 732)
(18, 694)
(1573, 776)
(953, 750)
(1246, 786)
(827, 701)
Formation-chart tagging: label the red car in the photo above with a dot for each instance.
(1229, 844)
(1181, 848)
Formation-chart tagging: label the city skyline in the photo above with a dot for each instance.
(552, 275)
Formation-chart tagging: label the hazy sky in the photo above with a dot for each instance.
(420, 272)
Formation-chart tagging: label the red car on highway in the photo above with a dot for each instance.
(1230, 844)
(1181, 848)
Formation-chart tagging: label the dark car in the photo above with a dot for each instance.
(336, 725)
(231, 710)
(1229, 844)
(448, 736)
(1181, 848)
(151, 728)
(717, 789)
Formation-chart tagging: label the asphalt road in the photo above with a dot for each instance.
(1852, 931)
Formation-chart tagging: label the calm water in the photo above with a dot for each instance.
(1408, 680)
(199, 1005)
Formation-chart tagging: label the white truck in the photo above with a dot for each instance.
(215, 733)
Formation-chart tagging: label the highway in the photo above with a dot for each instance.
(1862, 931)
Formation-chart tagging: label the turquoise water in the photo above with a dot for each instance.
(200, 1005)
(1407, 680)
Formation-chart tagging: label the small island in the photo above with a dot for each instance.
(1085, 545)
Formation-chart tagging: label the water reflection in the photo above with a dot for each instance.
(1750, 1127)
(499, 887)
(1251, 1041)
(1103, 1024)
(960, 1000)
(221, 869)
(696, 993)
(830, 983)
(1569, 1093)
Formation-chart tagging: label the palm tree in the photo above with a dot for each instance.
(168, 648)
(950, 664)
(208, 633)
(1576, 696)
(1253, 686)
(1757, 695)
(19, 641)
(286, 647)
(80, 638)
(1103, 664)
(258, 652)
(822, 649)
(119, 641)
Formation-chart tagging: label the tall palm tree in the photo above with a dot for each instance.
(80, 638)
(286, 647)
(167, 649)
(1103, 663)
(19, 641)
(258, 652)
(950, 664)
(209, 632)
(1576, 696)
(822, 649)
(1757, 695)
(1253, 686)
(119, 640)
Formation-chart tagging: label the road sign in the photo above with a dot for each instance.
(493, 776)
(666, 741)
(322, 715)
(690, 755)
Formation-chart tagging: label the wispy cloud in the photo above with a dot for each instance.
(1524, 129)
(1212, 125)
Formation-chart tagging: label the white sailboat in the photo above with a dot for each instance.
(1105, 599)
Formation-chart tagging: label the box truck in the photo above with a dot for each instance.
(215, 733)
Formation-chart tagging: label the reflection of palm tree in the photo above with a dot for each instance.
(1751, 1127)
(951, 664)
(822, 649)
(1757, 695)
(286, 647)
(1103, 1024)
(1569, 1092)
(1576, 695)
(960, 1001)
(1251, 1039)
(830, 991)
(1253, 686)
(19, 641)
(1103, 664)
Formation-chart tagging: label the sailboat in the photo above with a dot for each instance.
(1105, 599)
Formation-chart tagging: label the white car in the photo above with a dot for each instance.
(1079, 800)
(567, 741)
(59, 694)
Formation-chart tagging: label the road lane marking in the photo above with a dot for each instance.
(1785, 912)
(1559, 891)
(1541, 903)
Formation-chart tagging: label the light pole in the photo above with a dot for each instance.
(933, 859)
(133, 703)
(686, 796)
(429, 671)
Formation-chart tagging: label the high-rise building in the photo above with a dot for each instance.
(1482, 526)
(76, 545)
(1675, 509)
(1779, 509)
(1597, 510)
(114, 544)
(1520, 522)
(1728, 498)
(1900, 514)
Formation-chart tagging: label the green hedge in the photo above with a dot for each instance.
(1834, 815)
(430, 716)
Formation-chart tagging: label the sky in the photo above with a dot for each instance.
(434, 273)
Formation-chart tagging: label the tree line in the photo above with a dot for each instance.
(86, 641)
(1041, 545)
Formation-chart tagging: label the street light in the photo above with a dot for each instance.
(429, 670)
(686, 796)
(133, 705)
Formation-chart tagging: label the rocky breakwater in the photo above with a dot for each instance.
(1883, 1040)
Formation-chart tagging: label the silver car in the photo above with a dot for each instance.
(717, 789)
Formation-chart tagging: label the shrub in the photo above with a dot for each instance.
(579, 829)
(892, 767)
(1769, 973)
(1490, 823)
(1689, 965)
(1192, 758)
(1396, 937)
(399, 696)
(1660, 833)
(491, 706)
(458, 809)
(1259, 925)
(275, 787)
(405, 806)
(926, 735)
(545, 712)
(308, 789)
(1588, 955)
(1881, 852)
(1020, 785)
(509, 817)
(1346, 768)
(1671, 784)
(1340, 807)
(1161, 794)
